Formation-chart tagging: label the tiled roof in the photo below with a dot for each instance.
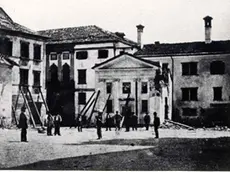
(184, 48)
(83, 34)
(6, 23)
(4, 59)
(157, 64)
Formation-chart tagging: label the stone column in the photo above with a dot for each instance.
(116, 93)
(59, 67)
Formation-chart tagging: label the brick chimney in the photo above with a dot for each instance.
(139, 34)
(208, 28)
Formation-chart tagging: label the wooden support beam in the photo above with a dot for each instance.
(88, 107)
(14, 113)
(44, 101)
(35, 106)
(87, 103)
(28, 107)
(98, 93)
(106, 103)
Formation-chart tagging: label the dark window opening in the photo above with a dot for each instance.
(66, 73)
(81, 98)
(217, 67)
(144, 106)
(54, 73)
(25, 49)
(109, 108)
(165, 66)
(65, 56)
(126, 87)
(144, 87)
(217, 91)
(82, 55)
(189, 68)
(82, 76)
(6, 46)
(37, 52)
(189, 111)
(53, 57)
(189, 94)
(102, 54)
(109, 88)
(24, 74)
(37, 78)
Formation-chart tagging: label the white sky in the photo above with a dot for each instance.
(164, 20)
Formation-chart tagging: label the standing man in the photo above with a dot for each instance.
(118, 118)
(156, 124)
(109, 122)
(50, 123)
(147, 121)
(57, 124)
(99, 125)
(134, 121)
(79, 123)
(23, 125)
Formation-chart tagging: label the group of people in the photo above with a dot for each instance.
(129, 121)
(53, 122)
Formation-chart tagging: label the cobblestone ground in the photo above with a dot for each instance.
(42, 147)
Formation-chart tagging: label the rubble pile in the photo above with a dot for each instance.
(218, 128)
(175, 125)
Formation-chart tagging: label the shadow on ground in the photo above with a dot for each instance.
(166, 154)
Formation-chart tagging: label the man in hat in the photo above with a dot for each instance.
(99, 124)
(23, 125)
(50, 123)
(57, 124)
(118, 119)
(156, 124)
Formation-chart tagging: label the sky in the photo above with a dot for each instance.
(167, 21)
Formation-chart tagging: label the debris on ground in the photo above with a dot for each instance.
(168, 124)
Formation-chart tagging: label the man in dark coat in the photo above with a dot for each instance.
(134, 121)
(99, 125)
(109, 122)
(79, 123)
(118, 119)
(127, 119)
(23, 125)
(57, 124)
(50, 123)
(156, 124)
(147, 121)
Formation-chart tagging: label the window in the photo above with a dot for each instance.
(109, 88)
(102, 54)
(189, 94)
(165, 66)
(82, 55)
(6, 46)
(144, 106)
(66, 73)
(81, 76)
(144, 87)
(36, 78)
(53, 57)
(65, 56)
(126, 87)
(37, 52)
(81, 98)
(189, 112)
(217, 67)
(217, 93)
(25, 49)
(189, 68)
(109, 108)
(24, 76)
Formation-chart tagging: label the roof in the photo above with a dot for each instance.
(6, 23)
(83, 34)
(4, 59)
(140, 59)
(215, 47)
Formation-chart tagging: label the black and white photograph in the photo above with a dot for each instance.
(115, 85)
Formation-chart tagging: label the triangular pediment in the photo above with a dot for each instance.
(5, 20)
(126, 61)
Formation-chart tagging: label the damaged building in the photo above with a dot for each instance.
(200, 78)
(26, 48)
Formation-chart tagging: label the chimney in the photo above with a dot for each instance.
(208, 28)
(139, 34)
